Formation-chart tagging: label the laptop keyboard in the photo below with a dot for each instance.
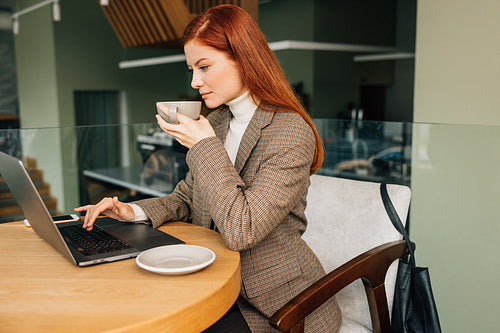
(96, 241)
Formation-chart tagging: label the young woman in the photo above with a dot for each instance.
(249, 166)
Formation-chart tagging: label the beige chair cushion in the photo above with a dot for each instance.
(346, 218)
(351, 326)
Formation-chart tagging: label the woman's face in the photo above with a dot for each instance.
(214, 75)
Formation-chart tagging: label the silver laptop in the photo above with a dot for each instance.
(112, 240)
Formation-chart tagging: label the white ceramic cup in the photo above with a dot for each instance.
(188, 108)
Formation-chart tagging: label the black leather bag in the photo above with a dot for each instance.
(414, 309)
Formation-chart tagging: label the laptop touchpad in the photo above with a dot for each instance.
(141, 236)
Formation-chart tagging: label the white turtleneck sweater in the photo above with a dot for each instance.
(242, 109)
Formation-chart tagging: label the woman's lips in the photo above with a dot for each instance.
(205, 95)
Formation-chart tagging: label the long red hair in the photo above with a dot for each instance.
(232, 30)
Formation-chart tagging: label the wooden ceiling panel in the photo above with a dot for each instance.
(160, 23)
(128, 19)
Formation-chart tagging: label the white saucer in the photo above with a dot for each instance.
(175, 259)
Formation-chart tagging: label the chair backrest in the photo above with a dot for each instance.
(346, 218)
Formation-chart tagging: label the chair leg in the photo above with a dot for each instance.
(377, 302)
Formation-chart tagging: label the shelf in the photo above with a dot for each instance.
(275, 46)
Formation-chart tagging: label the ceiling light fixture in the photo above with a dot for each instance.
(387, 56)
(15, 26)
(56, 13)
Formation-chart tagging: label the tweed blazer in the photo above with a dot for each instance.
(258, 206)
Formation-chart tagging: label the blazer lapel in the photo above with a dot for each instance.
(260, 119)
(220, 123)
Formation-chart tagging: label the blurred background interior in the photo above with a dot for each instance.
(402, 91)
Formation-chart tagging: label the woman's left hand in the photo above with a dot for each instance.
(188, 132)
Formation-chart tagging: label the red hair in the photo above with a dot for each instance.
(232, 30)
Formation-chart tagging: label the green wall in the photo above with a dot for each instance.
(88, 53)
(38, 94)
(455, 162)
(81, 52)
(36, 70)
(333, 79)
(291, 20)
(337, 78)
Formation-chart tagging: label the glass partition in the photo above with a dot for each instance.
(72, 166)
(366, 150)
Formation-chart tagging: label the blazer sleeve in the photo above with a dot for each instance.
(245, 212)
(175, 206)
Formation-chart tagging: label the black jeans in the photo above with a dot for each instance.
(231, 322)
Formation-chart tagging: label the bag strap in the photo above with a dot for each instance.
(396, 221)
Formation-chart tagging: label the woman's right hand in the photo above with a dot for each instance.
(110, 207)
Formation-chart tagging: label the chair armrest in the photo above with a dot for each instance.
(371, 266)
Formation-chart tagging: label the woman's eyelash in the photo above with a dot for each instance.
(201, 67)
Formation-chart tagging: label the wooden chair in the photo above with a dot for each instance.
(352, 235)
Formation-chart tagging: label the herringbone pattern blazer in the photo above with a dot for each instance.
(258, 206)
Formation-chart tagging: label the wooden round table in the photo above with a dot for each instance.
(41, 291)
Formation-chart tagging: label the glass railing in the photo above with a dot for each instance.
(71, 166)
(80, 165)
(367, 150)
